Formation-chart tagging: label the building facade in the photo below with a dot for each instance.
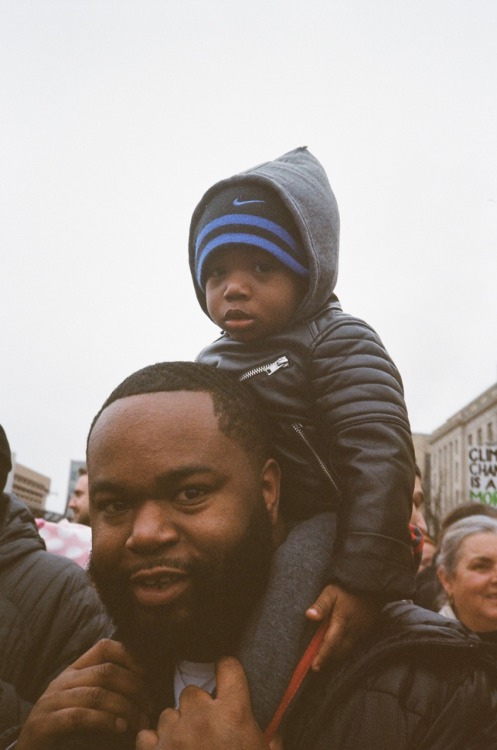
(463, 456)
(30, 486)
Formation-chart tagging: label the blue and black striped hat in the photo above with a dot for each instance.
(248, 214)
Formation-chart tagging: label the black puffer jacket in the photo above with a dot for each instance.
(335, 397)
(49, 615)
(419, 682)
(422, 682)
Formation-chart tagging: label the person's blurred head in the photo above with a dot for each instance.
(418, 501)
(467, 568)
(465, 510)
(80, 501)
(5, 459)
(428, 554)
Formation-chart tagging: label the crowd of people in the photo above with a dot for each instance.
(256, 521)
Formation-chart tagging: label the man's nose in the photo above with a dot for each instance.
(237, 286)
(153, 528)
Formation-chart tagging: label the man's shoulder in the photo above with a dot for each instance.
(406, 628)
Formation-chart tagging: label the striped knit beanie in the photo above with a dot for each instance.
(248, 214)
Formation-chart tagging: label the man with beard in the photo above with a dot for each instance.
(196, 566)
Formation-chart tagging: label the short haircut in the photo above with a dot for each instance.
(456, 534)
(465, 510)
(239, 415)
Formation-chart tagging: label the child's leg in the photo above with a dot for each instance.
(279, 631)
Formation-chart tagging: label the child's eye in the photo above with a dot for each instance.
(263, 267)
(215, 273)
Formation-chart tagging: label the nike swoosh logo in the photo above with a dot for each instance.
(238, 202)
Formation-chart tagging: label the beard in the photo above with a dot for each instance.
(208, 622)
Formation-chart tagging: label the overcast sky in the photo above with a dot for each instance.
(117, 115)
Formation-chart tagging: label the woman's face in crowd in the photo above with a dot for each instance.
(473, 586)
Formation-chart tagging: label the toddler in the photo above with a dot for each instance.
(263, 254)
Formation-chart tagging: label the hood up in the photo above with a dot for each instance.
(18, 533)
(301, 183)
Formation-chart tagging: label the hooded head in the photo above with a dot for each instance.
(285, 207)
(5, 460)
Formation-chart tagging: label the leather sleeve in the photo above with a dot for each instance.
(360, 407)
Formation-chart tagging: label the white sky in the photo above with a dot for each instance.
(117, 115)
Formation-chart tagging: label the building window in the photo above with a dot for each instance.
(490, 433)
(470, 439)
(479, 436)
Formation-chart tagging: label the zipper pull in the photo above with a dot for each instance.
(265, 369)
(278, 365)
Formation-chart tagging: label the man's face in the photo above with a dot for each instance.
(80, 502)
(418, 501)
(181, 519)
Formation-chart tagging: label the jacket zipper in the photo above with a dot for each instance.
(266, 369)
(300, 432)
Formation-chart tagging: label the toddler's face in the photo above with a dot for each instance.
(250, 294)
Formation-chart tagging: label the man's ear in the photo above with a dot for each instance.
(270, 481)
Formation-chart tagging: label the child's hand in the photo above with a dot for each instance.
(352, 617)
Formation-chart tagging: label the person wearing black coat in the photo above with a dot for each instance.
(49, 613)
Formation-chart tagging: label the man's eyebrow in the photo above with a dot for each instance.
(170, 478)
(105, 485)
(162, 481)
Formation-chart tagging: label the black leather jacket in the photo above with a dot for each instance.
(341, 435)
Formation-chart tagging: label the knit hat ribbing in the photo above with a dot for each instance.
(248, 214)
